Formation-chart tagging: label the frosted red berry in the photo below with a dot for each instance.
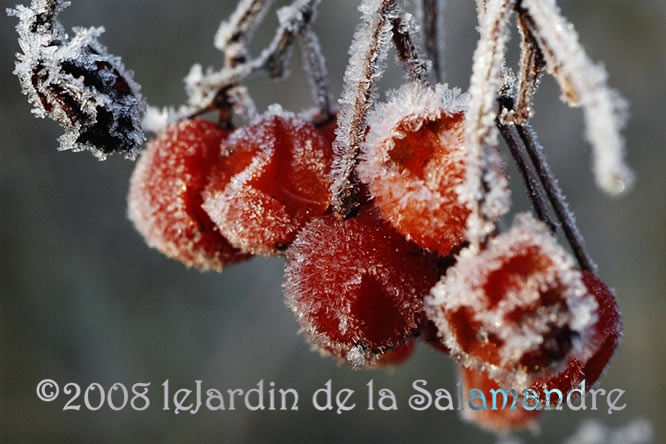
(517, 308)
(356, 286)
(274, 180)
(165, 199)
(413, 161)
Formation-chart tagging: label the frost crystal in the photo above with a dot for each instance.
(76, 82)
(584, 83)
(485, 193)
(367, 54)
(413, 159)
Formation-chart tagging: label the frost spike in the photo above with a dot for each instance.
(368, 50)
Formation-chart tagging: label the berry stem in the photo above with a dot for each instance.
(415, 66)
(555, 196)
(433, 32)
(315, 67)
(531, 182)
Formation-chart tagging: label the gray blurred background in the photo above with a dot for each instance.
(85, 300)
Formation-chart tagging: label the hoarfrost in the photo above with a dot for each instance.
(366, 65)
(485, 192)
(584, 83)
(463, 289)
(76, 82)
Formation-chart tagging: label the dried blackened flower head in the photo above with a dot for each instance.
(515, 309)
(76, 82)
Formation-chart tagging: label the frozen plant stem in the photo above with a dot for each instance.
(556, 197)
(368, 50)
(433, 32)
(415, 66)
(531, 182)
(315, 67)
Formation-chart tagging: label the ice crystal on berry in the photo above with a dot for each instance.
(356, 286)
(413, 161)
(166, 194)
(515, 309)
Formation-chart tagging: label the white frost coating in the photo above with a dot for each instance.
(157, 120)
(76, 82)
(487, 203)
(424, 207)
(463, 287)
(242, 22)
(368, 51)
(585, 83)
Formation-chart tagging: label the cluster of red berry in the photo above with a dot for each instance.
(515, 312)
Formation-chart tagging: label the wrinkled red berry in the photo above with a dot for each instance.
(274, 180)
(356, 286)
(165, 195)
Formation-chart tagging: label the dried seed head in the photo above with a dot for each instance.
(76, 82)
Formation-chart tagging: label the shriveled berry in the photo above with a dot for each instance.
(273, 181)
(165, 199)
(515, 309)
(356, 286)
(413, 161)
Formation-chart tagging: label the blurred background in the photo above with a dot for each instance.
(84, 300)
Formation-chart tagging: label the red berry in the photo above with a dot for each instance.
(500, 420)
(397, 356)
(356, 286)
(589, 363)
(414, 161)
(274, 180)
(165, 195)
(517, 308)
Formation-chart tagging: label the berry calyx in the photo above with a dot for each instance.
(356, 286)
(165, 195)
(413, 161)
(515, 309)
(274, 180)
(604, 337)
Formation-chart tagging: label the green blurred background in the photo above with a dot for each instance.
(85, 300)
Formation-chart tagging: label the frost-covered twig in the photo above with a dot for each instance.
(556, 197)
(485, 192)
(202, 87)
(529, 76)
(315, 66)
(368, 51)
(76, 82)
(432, 17)
(416, 67)
(583, 83)
(234, 34)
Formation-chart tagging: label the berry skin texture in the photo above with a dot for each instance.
(273, 181)
(516, 309)
(164, 201)
(413, 161)
(356, 286)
